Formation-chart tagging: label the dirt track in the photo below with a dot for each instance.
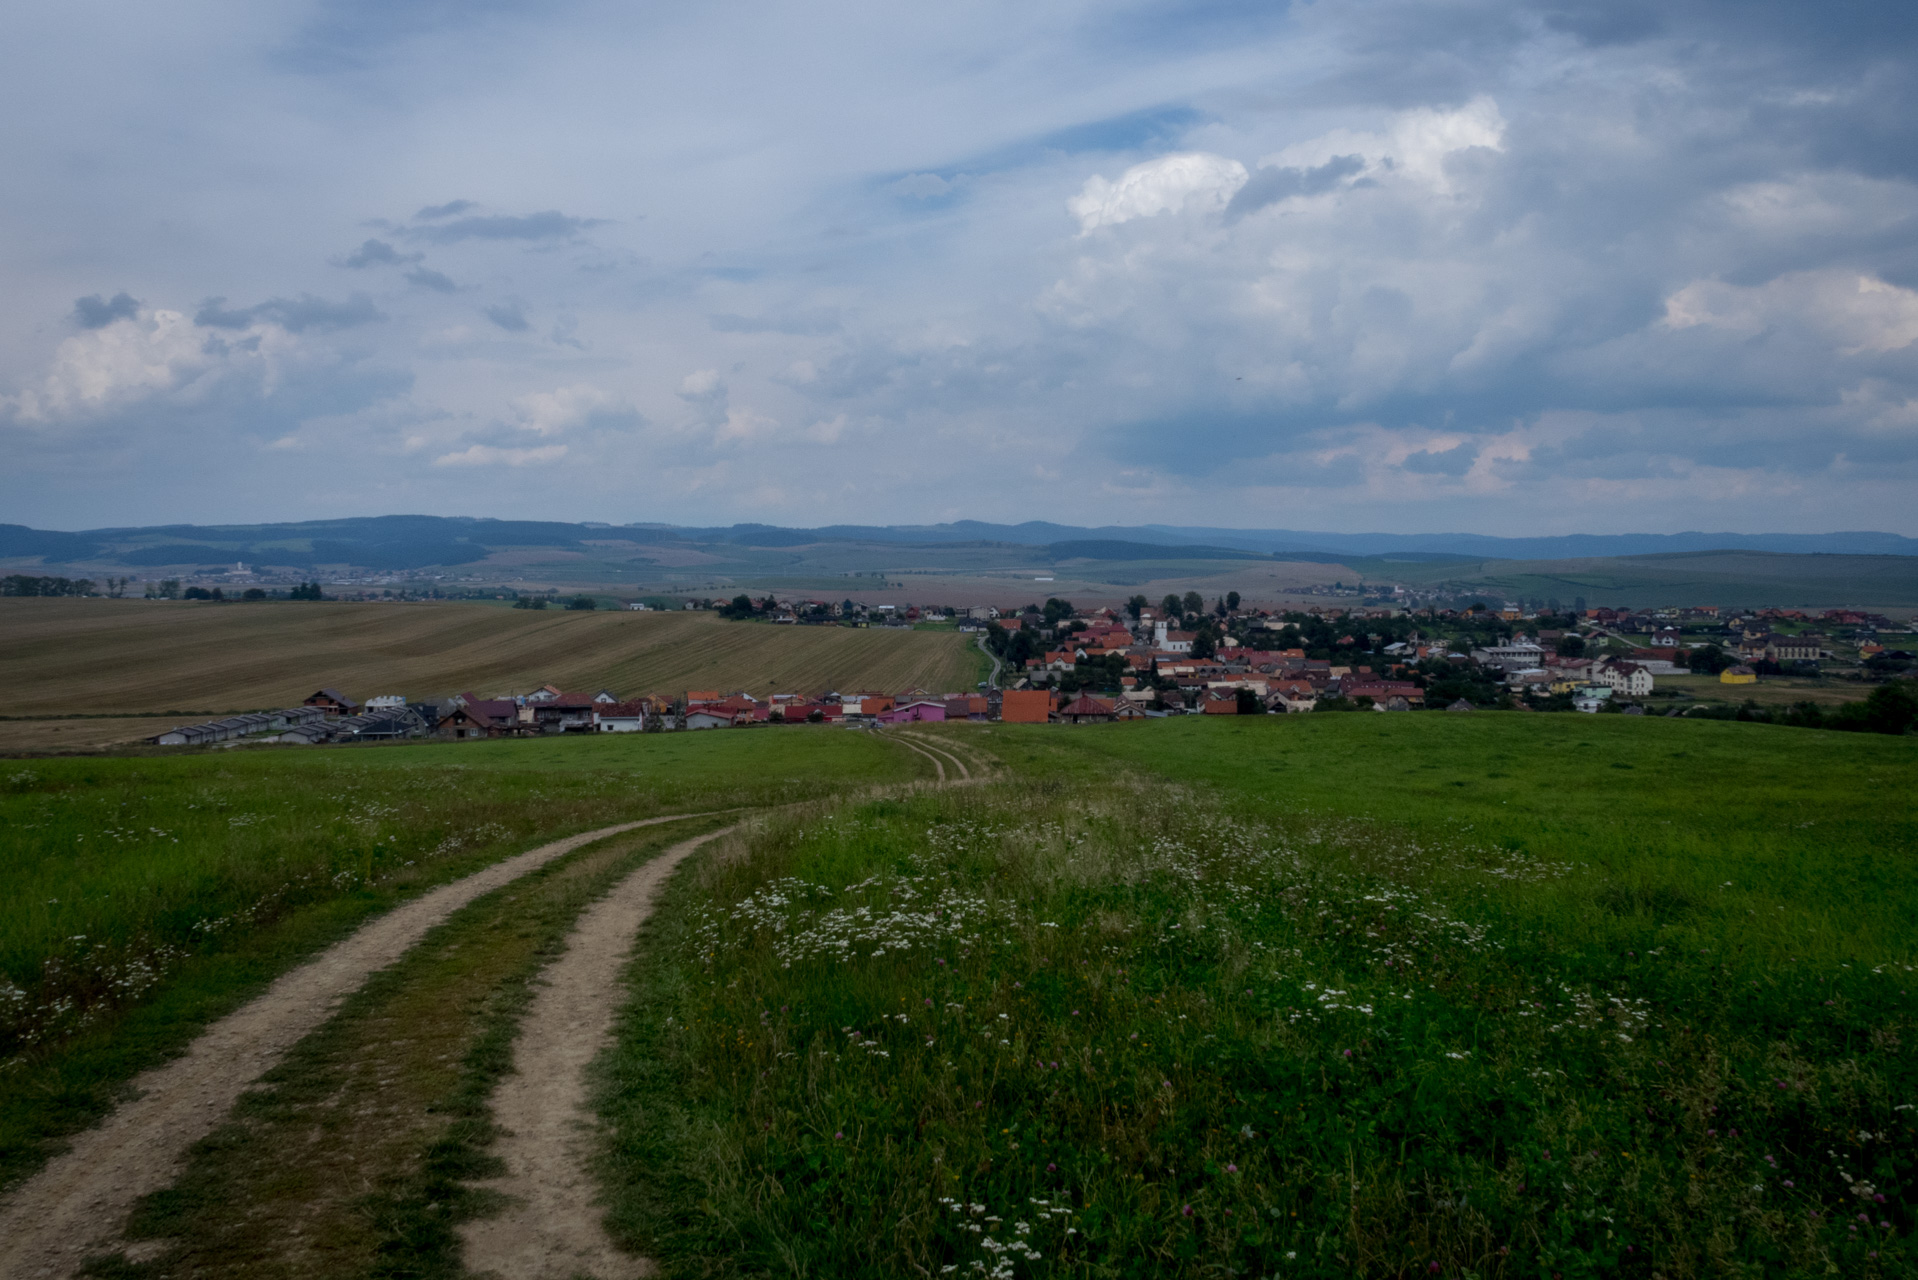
(77, 1206)
(553, 1231)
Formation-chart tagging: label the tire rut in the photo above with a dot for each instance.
(77, 1205)
(553, 1231)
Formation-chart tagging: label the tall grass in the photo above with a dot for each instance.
(1107, 1028)
(139, 897)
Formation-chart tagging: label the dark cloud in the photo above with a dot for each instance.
(550, 225)
(432, 212)
(95, 312)
(1269, 186)
(510, 316)
(295, 315)
(1455, 461)
(427, 278)
(378, 253)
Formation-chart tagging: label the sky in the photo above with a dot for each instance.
(1410, 265)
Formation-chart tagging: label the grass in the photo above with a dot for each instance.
(1280, 999)
(386, 1104)
(127, 656)
(141, 898)
(1770, 691)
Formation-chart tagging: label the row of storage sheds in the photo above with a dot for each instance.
(246, 726)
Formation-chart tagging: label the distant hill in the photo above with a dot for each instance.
(392, 543)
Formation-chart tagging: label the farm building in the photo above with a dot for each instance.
(1025, 706)
(333, 702)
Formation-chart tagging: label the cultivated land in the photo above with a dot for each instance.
(104, 656)
(1500, 994)
(1737, 579)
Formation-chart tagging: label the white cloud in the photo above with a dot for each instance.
(128, 360)
(702, 382)
(486, 455)
(744, 424)
(1416, 144)
(1169, 184)
(1860, 313)
(551, 412)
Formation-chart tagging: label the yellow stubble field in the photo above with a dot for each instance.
(94, 657)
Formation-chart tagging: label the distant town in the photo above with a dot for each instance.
(1055, 663)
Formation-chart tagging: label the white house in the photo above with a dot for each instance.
(707, 720)
(1627, 678)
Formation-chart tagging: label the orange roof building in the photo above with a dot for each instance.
(1025, 706)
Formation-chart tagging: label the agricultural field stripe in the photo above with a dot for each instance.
(553, 1229)
(79, 1202)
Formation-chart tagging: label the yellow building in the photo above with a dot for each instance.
(1740, 674)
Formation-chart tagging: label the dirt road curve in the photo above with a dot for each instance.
(939, 755)
(553, 1231)
(77, 1205)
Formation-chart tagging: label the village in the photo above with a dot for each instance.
(1054, 663)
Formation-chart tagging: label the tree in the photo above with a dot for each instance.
(1169, 606)
(1056, 610)
(1136, 606)
(1194, 602)
(311, 591)
(253, 593)
(1709, 660)
(740, 606)
(1249, 704)
(1892, 708)
(1232, 600)
(1204, 646)
(198, 593)
(1578, 605)
(1571, 646)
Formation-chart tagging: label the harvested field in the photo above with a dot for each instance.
(68, 656)
(88, 734)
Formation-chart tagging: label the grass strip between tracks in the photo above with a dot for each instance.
(355, 1156)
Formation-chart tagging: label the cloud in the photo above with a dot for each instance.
(435, 211)
(378, 253)
(95, 312)
(295, 315)
(922, 186)
(158, 366)
(550, 225)
(552, 412)
(427, 278)
(1856, 313)
(1268, 186)
(701, 384)
(486, 455)
(114, 364)
(510, 316)
(1455, 461)
(1166, 185)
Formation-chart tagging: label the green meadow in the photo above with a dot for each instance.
(1312, 996)
(1498, 995)
(140, 897)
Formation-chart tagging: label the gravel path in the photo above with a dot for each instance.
(553, 1229)
(77, 1205)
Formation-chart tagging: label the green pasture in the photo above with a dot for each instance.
(1316, 996)
(142, 896)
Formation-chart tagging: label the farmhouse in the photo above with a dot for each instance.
(333, 703)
